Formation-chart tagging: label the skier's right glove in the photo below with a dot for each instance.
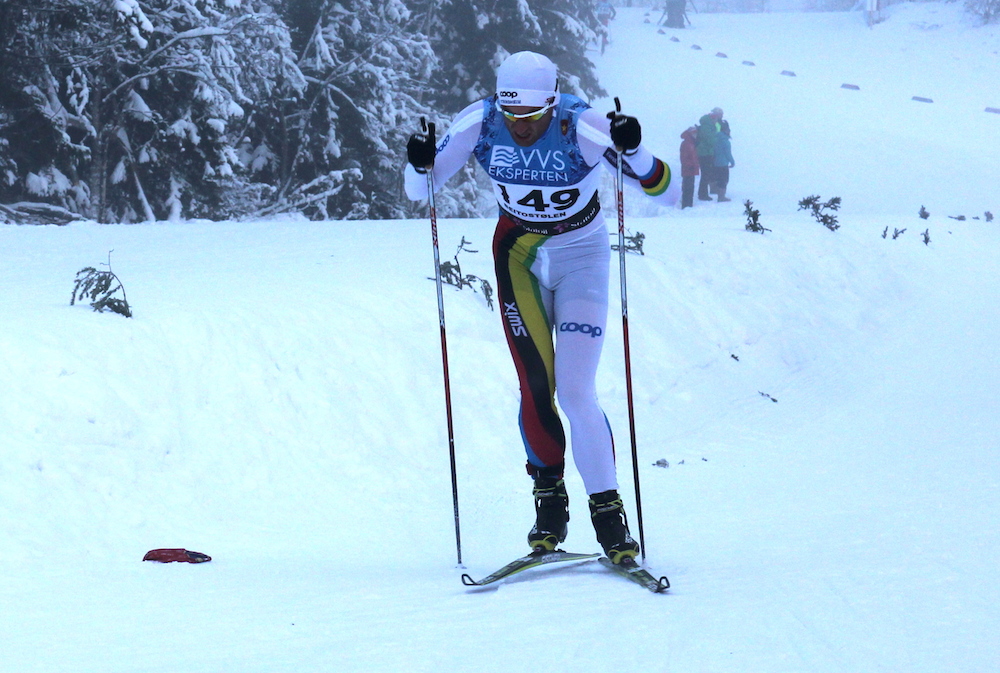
(421, 149)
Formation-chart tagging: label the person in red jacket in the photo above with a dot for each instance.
(690, 167)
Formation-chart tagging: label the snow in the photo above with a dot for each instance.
(51, 181)
(276, 402)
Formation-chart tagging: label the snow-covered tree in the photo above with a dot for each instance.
(41, 137)
(987, 10)
(192, 75)
(135, 103)
(365, 65)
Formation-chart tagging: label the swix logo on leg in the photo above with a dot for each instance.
(517, 326)
(593, 330)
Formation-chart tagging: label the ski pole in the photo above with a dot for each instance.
(429, 130)
(620, 198)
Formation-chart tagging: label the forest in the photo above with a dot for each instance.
(144, 110)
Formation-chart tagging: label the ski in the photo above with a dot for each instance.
(630, 569)
(532, 560)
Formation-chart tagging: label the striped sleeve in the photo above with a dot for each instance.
(657, 180)
(641, 169)
(649, 173)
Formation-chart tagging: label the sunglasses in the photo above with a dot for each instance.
(527, 116)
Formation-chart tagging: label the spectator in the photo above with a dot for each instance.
(675, 13)
(689, 165)
(723, 161)
(708, 128)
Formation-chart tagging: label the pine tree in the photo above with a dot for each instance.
(42, 147)
(988, 11)
(365, 65)
(208, 67)
(132, 107)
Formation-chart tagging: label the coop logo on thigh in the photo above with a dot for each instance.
(593, 330)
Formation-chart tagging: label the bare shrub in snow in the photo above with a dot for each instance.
(101, 288)
(813, 204)
(753, 218)
(451, 274)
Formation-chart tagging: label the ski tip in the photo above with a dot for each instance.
(631, 569)
(468, 581)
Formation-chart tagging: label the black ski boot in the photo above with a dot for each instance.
(608, 514)
(551, 510)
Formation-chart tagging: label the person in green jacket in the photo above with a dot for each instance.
(708, 127)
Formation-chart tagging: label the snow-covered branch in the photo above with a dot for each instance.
(29, 212)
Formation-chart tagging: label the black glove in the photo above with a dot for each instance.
(420, 149)
(626, 133)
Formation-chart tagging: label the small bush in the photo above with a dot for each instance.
(753, 218)
(101, 289)
(826, 219)
(633, 242)
(451, 274)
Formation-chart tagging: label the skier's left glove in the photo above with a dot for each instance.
(421, 150)
(626, 133)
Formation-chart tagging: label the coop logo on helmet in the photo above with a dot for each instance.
(527, 79)
(527, 98)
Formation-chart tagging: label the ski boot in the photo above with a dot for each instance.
(551, 510)
(608, 514)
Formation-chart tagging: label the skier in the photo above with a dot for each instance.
(606, 13)
(540, 148)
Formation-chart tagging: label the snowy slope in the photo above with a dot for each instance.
(276, 402)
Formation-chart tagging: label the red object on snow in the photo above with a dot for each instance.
(176, 555)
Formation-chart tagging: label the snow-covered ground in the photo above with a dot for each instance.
(276, 402)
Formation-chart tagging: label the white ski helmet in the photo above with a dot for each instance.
(527, 79)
